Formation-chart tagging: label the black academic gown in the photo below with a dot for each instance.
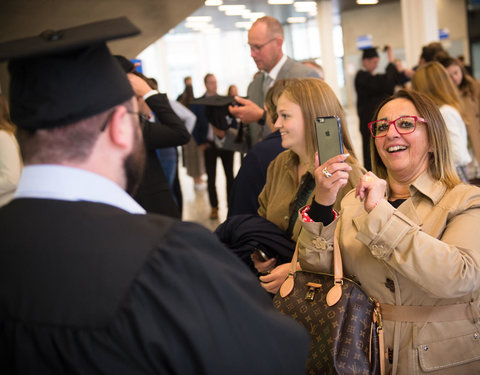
(371, 90)
(154, 192)
(86, 288)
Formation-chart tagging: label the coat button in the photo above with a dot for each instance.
(425, 348)
(285, 218)
(319, 243)
(476, 336)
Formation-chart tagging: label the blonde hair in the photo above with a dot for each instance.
(272, 96)
(5, 122)
(316, 99)
(441, 166)
(433, 79)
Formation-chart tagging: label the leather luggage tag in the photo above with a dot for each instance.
(287, 286)
(334, 294)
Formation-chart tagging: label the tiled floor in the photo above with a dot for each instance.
(195, 203)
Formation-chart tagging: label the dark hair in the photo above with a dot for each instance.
(207, 76)
(71, 143)
(441, 165)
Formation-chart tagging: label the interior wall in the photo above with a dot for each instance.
(383, 22)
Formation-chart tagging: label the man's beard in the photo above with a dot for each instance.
(134, 165)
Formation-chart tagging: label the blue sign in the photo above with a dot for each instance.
(139, 63)
(443, 34)
(364, 41)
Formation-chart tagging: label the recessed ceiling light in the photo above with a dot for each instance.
(213, 3)
(296, 19)
(279, 2)
(201, 19)
(367, 2)
(305, 6)
(225, 8)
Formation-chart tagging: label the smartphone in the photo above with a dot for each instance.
(329, 137)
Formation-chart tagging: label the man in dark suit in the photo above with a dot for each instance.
(154, 193)
(90, 283)
(265, 39)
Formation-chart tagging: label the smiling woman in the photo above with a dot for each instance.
(408, 235)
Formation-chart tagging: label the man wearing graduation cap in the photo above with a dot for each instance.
(371, 89)
(89, 283)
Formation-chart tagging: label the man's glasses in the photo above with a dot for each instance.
(257, 47)
(141, 118)
(403, 125)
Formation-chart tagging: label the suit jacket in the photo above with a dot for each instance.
(91, 289)
(154, 191)
(254, 132)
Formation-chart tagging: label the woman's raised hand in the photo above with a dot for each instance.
(330, 177)
(371, 190)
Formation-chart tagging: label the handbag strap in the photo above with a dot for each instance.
(335, 293)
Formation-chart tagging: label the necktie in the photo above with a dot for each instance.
(267, 82)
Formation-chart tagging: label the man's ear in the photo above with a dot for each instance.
(120, 128)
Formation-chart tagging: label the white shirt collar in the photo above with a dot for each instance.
(276, 69)
(73, 184)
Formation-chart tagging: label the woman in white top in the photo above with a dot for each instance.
(433, 79)
(10, 160)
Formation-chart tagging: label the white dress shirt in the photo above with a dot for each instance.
(48, 181)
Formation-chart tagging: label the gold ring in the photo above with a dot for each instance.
(326, 173)
(368, 178)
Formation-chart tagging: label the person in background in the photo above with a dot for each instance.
(193, 157)
(433, 79)
(232, 90)
(315, 66)
(408, 235)
(161, 128)
(470, 97)
(168, 156)
(212, 152)
(251, 177)
(89, 282)
(265, 39)
(290, 177)
(10, 159)
(371, 89)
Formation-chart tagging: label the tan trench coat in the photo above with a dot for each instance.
(425, 253)
(282, 186)
(471, 114)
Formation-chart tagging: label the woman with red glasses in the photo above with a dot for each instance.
(408, 234)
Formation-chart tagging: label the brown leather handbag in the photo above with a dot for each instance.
(344, 324)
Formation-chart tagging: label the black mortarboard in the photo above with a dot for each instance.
(61, 77)
(216, 110)
(368, 53)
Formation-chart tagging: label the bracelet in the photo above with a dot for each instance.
(307, 219)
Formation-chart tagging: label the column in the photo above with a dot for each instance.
(420, 27)
(325, 28)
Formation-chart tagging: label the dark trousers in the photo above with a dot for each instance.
(211, 154)
(366, 139)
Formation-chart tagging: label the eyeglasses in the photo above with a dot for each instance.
(258, 47)
(403, 125)
(141, 118)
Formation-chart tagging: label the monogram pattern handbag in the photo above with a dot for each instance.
(344, 324)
